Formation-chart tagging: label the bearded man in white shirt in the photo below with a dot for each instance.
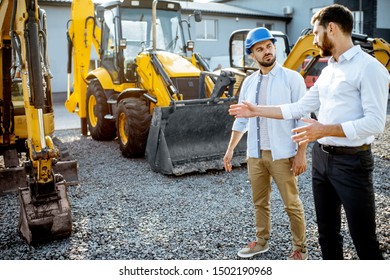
(351, 95)
(270, 151)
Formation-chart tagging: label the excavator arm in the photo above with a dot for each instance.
(44, 204)
(303, 48)
(377, 47)
(82, 34)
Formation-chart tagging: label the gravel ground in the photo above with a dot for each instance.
(124, 211)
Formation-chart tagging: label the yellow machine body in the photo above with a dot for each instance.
(30, 162)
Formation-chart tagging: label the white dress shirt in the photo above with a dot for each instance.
(353, 92)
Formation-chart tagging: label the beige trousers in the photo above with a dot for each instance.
(261, 171)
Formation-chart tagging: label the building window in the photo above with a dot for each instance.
(357, 22)
(269, 26)
(206, 29)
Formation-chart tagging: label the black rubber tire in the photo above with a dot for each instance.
(100, 128)
(133, 122)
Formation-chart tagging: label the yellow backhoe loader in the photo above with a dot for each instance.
(147, 90)
(30, 160)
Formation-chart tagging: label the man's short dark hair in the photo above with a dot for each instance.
(337, 14)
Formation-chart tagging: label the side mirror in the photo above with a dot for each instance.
(198, 15)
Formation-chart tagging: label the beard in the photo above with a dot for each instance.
(267, 64)
(326, 46)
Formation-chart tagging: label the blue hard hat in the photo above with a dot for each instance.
(257, 35)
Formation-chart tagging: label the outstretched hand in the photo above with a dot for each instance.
(311, 132)
(243, 110)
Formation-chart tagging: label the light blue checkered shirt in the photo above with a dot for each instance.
(284, 86)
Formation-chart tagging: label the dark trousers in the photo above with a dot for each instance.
(345, 180)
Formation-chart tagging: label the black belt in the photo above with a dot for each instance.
(337, 150)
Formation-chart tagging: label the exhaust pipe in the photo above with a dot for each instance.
(154, 20)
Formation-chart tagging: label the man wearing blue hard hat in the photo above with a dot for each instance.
(271, 154)
(257, 35)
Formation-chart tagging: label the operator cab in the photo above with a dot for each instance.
(127, 31)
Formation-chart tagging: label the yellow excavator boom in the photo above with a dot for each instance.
(27, 124)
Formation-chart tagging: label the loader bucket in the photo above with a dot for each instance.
(191, 138)
(11, 179)
(68, 170)
(48, 220)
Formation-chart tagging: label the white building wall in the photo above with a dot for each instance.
(57, 17)
(382, 19)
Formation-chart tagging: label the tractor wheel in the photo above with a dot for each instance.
(133, 123)
(100, 128)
